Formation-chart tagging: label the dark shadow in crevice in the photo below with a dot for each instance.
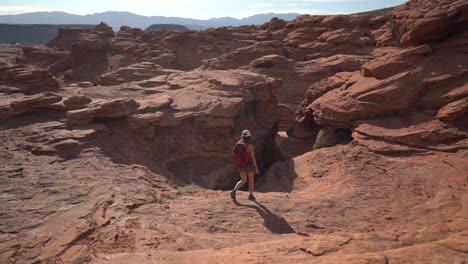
(343, 135)
(281, 178)
(275, 223)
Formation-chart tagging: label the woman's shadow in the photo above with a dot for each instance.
(273, 222)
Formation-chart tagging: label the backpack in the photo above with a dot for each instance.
(241, 156)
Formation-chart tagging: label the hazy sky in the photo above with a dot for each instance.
(202, 9)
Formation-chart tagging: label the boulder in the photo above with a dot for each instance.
(104, 30)
(26, 79)
(86, 61)
(325, 138)
(274, 24)
(453, 110)
(421, 132)
(366, 98)
(76, 102)
(127, 39)
(393, 63)
(17, 105)
(269, 61)
(418, 22)
(102, 109)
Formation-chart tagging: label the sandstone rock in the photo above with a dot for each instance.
(76, 102)
(337, 21)
(104, 30)
(81, 84)
(144, 120)
(23, 78)
(453, 110)
(341, 36)
(12, 106)
(86, 61)
(274, 24)
(325, 138)
(8, 54)
(127, 39)
(41, 56)
(243, 56)
(270, 61)
(393, 63)
(102, 108)
(328, 66)
(298, 76)
(444, 89)
(366, 99)
(305, 126)
(129, 31)
(303, 35)
(318, 89)
(423, 132)
(136, 72)
(200, 103)
(384, 37)
(290, 147)
(125, 188)
(85, 51)
(437, 81)
(67, 36)
(418, 22)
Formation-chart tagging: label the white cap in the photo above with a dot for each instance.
(246, 133)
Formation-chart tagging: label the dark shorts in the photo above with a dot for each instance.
(247, 169)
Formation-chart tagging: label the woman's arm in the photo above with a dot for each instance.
(252, 155)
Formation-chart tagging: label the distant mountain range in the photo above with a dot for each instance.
(118, 19)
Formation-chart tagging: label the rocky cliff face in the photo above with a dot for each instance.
(413, 96)
(112, 143)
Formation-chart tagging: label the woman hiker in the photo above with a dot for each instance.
(246, 164)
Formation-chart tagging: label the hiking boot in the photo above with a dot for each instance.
(252, 198)
(233, 195)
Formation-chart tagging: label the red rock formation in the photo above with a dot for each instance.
(17, 105)
(67, 36)
(86, 61)
(8, 54)
(41, 56)
(99, 171)
(397, 98)
(127, 39)
(25, 78)
(104, 30)
(135, 72)
(418, 22)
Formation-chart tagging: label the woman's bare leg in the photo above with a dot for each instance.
(243, 180)
(251, 182)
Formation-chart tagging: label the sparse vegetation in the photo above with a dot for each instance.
(159, 201)
(191, 188)
(168, 196)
